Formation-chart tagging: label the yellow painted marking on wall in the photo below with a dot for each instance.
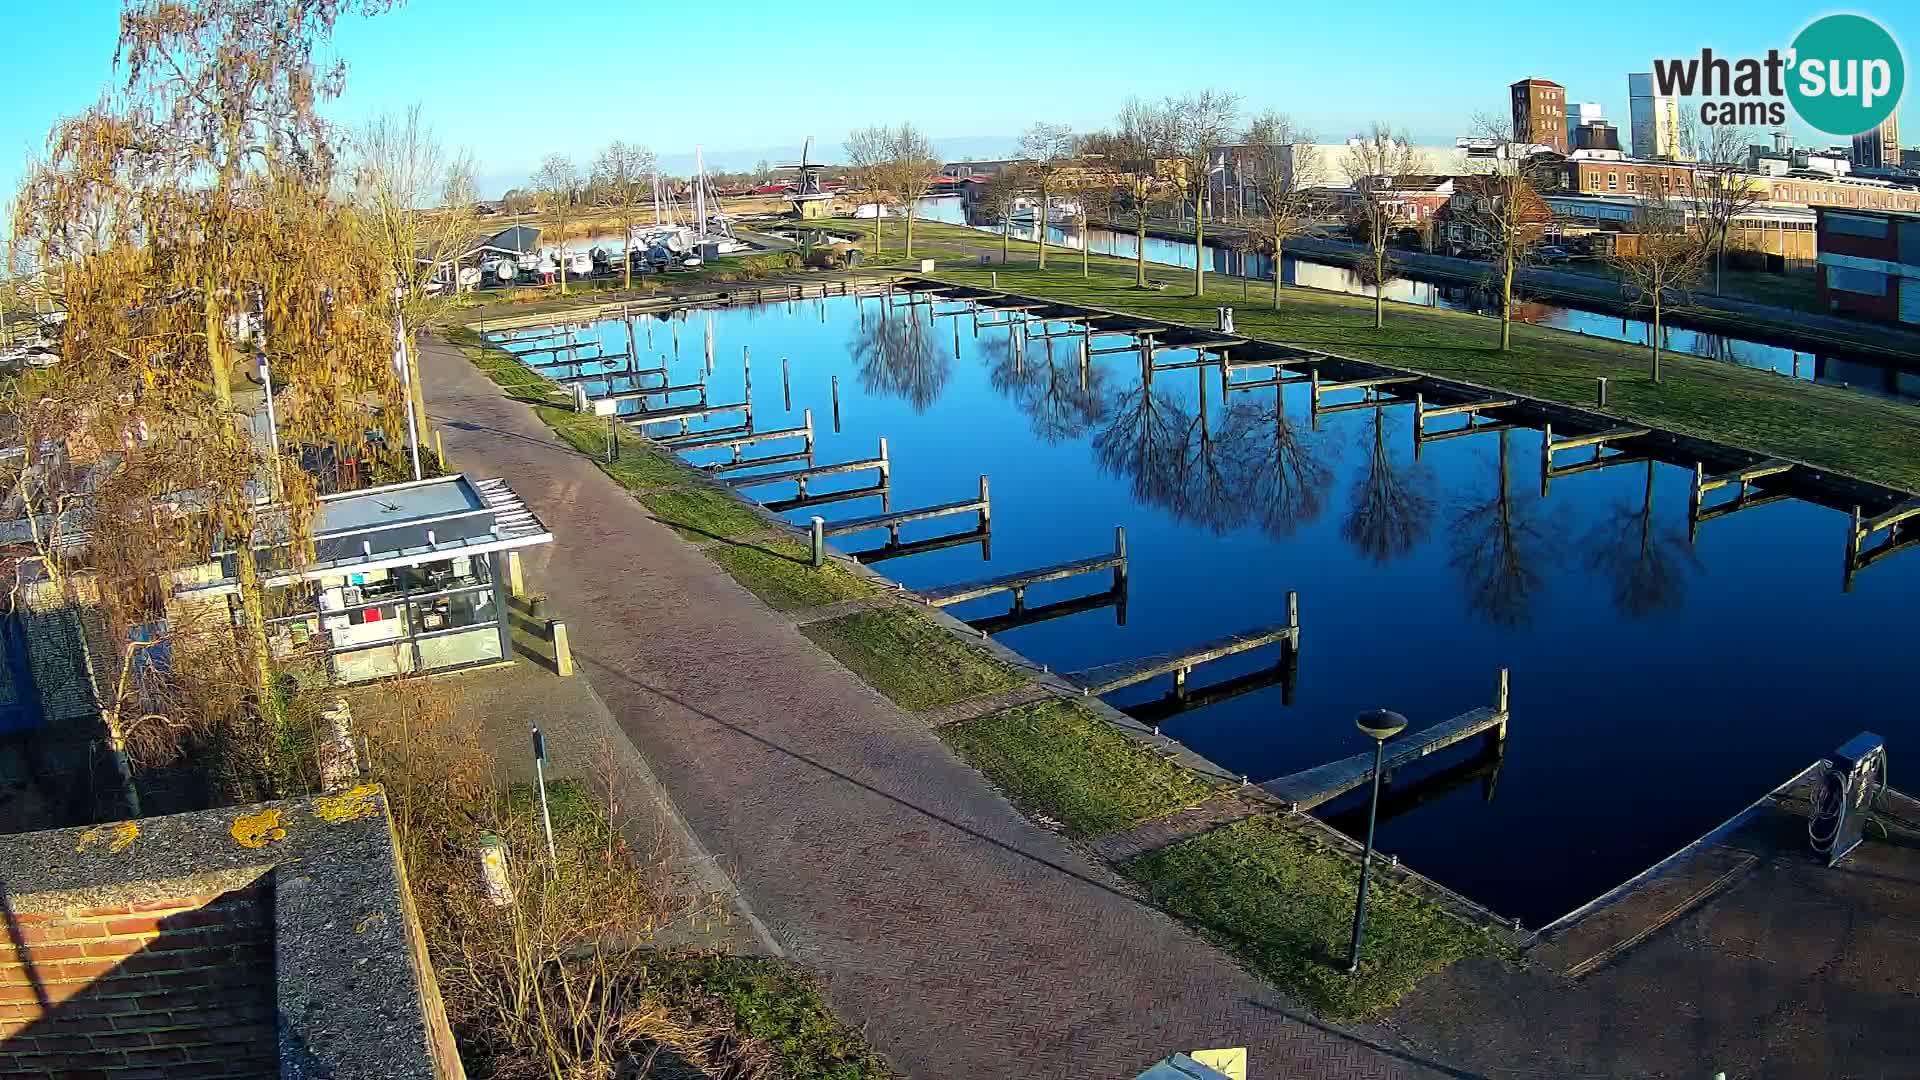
(258, 830)
(1231, 1061)
(349, 805)
(118, 836)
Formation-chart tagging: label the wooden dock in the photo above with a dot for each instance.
(883, 490)
(606, 376)
(645, 392)
(697, 441)
(1894, 523)
(684, 413)
(1600, 441)
(1161, 709)
(1107, 678)
(983, 537)
(1422, 412)
(1309, 788)
(1022, 615)
(800, 477)
(1019, 581)
(1698, 512)
(892, 520)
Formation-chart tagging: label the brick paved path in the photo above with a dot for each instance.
(963, 940)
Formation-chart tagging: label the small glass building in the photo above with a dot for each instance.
(404, 578)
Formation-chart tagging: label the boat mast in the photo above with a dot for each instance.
(699, 195)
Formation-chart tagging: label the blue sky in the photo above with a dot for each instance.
(515, 81)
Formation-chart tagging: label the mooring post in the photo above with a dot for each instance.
(986, 507)
(613, 438)
(994, 276)
(1600, 394)
(806, 421)
(1120, 553)
(786, 383)
(1500, 704)
(746, 369)
(1180, 682)
(836, 404)
(818, 529)
(1420, 419)
(886, 467)
(675, 324)
(1546, 457)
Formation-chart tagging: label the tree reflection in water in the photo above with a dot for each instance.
(1142, 438)
(1648, 564)
(897, 356)
(1062, 401)
(1389, 516)
(1284, 478)
(1500, 546)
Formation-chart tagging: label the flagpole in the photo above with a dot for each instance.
(401, 361)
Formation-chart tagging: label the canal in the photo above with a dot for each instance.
(1832, 368)
(1658, 684)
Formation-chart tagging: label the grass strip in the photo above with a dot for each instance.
(772, 1004)
(1059, 759)
(905, 656)
(703, 512)
(1283, 903)
(779, 573)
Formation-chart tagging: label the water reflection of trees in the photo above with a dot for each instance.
(897, 356)
(1500, 546)
(1647, 563)
(1221, 467)
(1389, 516)
(1062, 400)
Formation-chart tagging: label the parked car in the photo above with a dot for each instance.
(1553, 254)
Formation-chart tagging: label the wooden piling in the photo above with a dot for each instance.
(986, 506)
(819, 530)
(886, 465)
(836, 404)
(746, 368)
(1120, 558)
(786, 383)
(562, 649)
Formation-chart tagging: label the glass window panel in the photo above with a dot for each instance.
(451, 650)
(451, 612)
(394, 658)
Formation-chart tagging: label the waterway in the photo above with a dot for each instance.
(1658, 685)
(1829, 367)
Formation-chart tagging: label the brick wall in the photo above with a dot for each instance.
(176, 987)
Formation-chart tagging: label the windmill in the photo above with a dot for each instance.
(808, 198)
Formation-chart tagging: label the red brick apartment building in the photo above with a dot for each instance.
(1870, 264)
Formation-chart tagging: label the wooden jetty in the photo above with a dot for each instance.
(1022, 615)
(1019, 581)
(892, 520)
(983, 537)
(1107, 678)
(800, 477)
(684, 413)
(1422, 412)
(606, 376)
(1600, 441)
(1309, 788)
(1373, 394)
(1699, 512)
(1894, 522)
(644, 392)
(883, 490)
(1161, 709)
(700, 440)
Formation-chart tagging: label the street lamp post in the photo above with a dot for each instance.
(1380, 725)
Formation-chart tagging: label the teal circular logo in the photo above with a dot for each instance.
(1847, 74)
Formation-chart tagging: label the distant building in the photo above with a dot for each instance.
(1879, 148)
(1596, 135)
(1870, 264)
(1653, 119)
(1586, 175)
(1540, 113)
(1586, 112)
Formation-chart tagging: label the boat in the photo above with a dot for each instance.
(1059, 211)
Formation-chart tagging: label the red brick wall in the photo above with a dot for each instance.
(180, 987)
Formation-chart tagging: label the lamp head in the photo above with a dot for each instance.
(1381, 724)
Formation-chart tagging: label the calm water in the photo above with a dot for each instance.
(1837, 368)
(1657, 686)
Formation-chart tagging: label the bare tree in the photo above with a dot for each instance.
(1723, 191)
(998, 195)
(418, 201)
(1197, 126)
(868, 151)
(1133, 151)
(1378, 166)
(1283, 168)
(910, 166)
(624, 174)
(559, 180)
(1658, 257)
(1502, 208)
(1047, 150)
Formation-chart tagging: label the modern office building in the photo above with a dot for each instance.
(1586, 112)
(1540, 113)
(1653, 119)
(1879, 148)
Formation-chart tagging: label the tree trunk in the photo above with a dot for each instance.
(1140, 246)
(876, 223)
(1278, 261)
(1006, 234)
(1199, 249)
(1506, 303)
(413, 381)
(1040, 227)
(626, 256)
(909, 209)
(1655, 337)
(1379, 285)
(1086, 246)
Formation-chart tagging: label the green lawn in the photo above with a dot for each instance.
(780, 573)
(1057, 758)
(703, 512)
(1283, 903)
(1833, 429)
(905, 656)
(772, 1006)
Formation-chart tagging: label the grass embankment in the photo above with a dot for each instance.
(1283, 903)
(905, 656)
(1275, 897)
(1059, 759)
(1832, 429)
